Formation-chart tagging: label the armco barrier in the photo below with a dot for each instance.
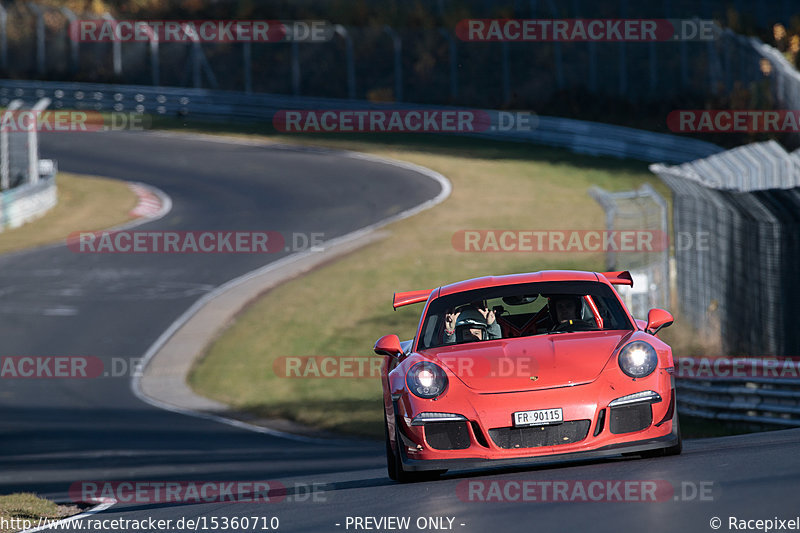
(741, 390)
(27, 202)
(591, 138)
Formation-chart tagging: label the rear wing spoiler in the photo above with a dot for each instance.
(411, 297)
(622, 277)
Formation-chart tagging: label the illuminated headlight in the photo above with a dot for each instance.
(638, 359)
(426, 380)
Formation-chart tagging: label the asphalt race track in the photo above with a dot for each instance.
(55, 432)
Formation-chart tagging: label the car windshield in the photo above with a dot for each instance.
(510, 311)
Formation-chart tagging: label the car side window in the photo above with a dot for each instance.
(430, 330)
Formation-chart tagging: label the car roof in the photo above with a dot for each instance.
(514, 279)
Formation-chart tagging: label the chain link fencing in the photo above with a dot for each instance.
(429, 65)
(745, 282)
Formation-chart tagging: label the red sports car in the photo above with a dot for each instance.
(526, 368)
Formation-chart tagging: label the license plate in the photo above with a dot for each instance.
(538, 417)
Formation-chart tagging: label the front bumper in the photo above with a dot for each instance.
(610, 450)
(486, 414)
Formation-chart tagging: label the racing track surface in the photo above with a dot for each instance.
(56, 302)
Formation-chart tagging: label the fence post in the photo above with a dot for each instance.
(653, 67)
(397, 45)
(3, 38)
(684, 51)
(247, 65)
(197, 81)
(152, 38)
(116, 46)
(351, 62)
(72, 23)
(295, 67)
(506, 73)
(623, 55)
(212, 79)
(648, 190)
(33, 143)
(5, 182)
(593, 66)
(40, 37)
(556, 49)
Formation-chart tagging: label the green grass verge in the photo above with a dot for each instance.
(340, 309)
(85, 203)
(14, 508)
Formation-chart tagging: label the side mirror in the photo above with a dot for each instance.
(657, 319)
(388, 345)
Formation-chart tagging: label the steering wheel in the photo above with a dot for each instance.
(573, 325)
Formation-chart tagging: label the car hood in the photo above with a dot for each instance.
(530, 363)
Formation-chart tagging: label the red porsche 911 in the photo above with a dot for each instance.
(526, 368)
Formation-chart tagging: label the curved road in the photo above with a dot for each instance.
(55, 432)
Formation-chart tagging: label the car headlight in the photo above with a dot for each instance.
(638, 359)
(426, 380)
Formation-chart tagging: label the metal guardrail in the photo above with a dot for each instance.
(590, 138)
(723, 393)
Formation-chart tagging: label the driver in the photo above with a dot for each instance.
(566, 308)
(473, 323)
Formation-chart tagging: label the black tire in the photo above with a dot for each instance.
(678, 447)
(394, 464)
(675, 449)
